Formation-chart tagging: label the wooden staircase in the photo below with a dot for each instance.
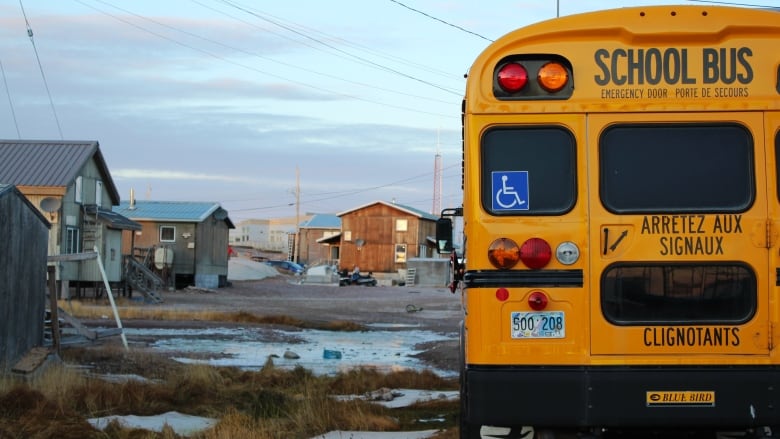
(141, 278)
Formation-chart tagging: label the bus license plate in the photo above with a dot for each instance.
(550, 324)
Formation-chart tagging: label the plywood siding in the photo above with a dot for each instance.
(376, 225)
(22, 277)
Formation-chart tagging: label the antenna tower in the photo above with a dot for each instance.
(436, 181)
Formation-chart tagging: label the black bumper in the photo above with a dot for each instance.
(618, 396)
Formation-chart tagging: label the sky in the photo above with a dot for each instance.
(270, 108)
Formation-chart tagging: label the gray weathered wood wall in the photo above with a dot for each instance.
(24, 235)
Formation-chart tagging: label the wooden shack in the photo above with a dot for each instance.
(311, 250)
(70, 184)
(25, 236)
(380, 237)
(186, 243)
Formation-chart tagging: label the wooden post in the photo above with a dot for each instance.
(110, 297)
(51, 271)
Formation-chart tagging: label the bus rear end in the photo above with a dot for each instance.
(621, 223)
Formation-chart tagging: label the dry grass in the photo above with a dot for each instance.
(270, 403)
(129, 311)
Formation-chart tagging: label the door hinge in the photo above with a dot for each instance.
(769, 234)
(770, 337)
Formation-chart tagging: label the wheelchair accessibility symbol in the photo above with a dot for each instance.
(510, 190)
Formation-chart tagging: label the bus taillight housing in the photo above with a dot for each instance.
(537, 300)
(503, 253)
(552, 76)
(513, 78)
(535, 253)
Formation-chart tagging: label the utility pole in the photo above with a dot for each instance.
(297, 249)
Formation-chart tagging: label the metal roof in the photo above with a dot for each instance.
(408, 209)
(322, 221)
(51, 163)
(113, 219)
(171, 211)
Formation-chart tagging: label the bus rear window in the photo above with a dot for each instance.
(528, 171)
(676, 168)
(678, 293)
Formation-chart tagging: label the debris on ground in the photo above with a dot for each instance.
(412, 308)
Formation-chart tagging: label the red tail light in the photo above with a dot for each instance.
(537, 301)
(535, 253)
(512, 77)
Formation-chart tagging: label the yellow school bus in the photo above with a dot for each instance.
(621, 220)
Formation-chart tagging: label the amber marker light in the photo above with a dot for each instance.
(503, 253)
(553, 76)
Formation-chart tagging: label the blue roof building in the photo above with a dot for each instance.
(186, 242)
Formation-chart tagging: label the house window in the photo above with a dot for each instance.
(72, 241)
(400, 253)
(401, 224)
(99, 193)
(167, 234)
(77, 192)
(347, 235)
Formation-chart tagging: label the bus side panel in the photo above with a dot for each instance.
(488, 321)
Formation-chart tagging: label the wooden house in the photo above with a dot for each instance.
(380, 237)
(311, 250)
(69, 182)
(25, 234)
(186, 243)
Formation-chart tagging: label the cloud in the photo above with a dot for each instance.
(163, 174)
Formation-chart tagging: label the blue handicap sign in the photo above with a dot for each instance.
(510, 190)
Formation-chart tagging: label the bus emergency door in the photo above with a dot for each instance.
(679, 235)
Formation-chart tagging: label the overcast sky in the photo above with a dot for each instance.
(223, 100)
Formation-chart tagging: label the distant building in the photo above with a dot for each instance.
(269, 235)
(254, 233)
(186, 241)
(311, 250)
(380, 237)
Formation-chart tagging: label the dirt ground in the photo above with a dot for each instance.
(396, 308)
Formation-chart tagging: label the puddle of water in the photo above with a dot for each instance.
(249, 348)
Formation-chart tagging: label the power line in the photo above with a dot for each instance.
(222, 58)
(441, 21)
(341, 194)
(295, 31)
(40, 67)
(254, 54)
(336, 38)
(10, 102)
